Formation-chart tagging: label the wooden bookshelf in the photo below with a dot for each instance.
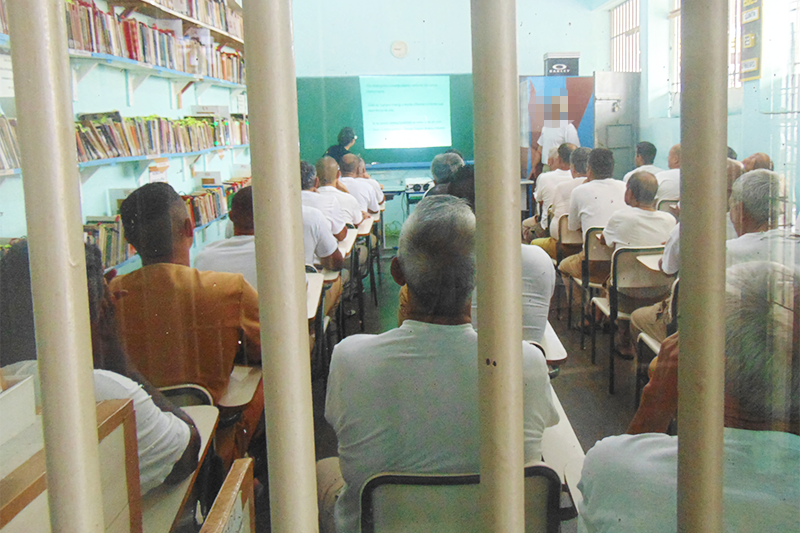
(154, 9)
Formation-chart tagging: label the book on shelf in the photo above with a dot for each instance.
(212, 12)
(106, 233)
(206, 205)
(9, 145)
(109, 135)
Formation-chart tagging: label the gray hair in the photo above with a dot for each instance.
(444, 167)
(580, 159)
(759, 192)
(436, 252)
(758, 341)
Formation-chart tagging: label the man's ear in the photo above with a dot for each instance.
(316, 182)
(397, 272)
(188, 228)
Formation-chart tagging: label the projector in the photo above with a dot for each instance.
(418, 185)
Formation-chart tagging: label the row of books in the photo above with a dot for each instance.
(91, 29)
(108, 135)
(207, 205)
(106, 233)
(9, 145)
(212, 12)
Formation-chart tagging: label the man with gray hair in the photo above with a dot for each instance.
(329, 205)
(407, 400)
(756, 213)
(443, 169)
(629, 481)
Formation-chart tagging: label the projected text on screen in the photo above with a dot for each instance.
(405, 111)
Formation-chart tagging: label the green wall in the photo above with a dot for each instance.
(326, 105)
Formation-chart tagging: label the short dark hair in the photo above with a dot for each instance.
(242, 208)
(147, 219)
(732, 153)
(580, 159)
(601, 162)
(17, 334)
(454, 151)
(643, 186)
(565, 152)
(647, 151)
(463, 185)
(346, 135)
(308, 175)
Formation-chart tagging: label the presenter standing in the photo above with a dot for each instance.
(556, 131)
(347, 138)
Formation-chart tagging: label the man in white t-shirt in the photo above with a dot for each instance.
(645, 155)
(365, 193)
(407, 400)
(557, 130)
(547, 182)
(328, 175)
(590, 206)
(363, 174)
(629, 481)
(326, 203)
(669, 181)
(238, 254)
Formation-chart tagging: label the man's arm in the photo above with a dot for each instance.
(574, 219)
(249, 323)
(659, 403)
(536, 158)
(342, 234)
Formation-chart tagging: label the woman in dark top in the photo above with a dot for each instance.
(347, 138)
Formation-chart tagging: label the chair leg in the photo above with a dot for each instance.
(558, 295)
(569, 305)
(611, 356)
(582, 314)
(594, 332)
(373, 286)
(638, 373)
(360, 289)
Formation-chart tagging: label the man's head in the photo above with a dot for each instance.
(564, 153)
(674, 157)
(645, 154)
(641, 190)
(327, 171)
(552, 156)
(157, 224)
(601, 164)
(308, 176)
(756, 161)
(579, 162)
(347, 137)
(463, 185)
(348, 165)
(761, 389)
(755, 201)
(436, 258)
(241, 213)
(444, 167)
(17, 335)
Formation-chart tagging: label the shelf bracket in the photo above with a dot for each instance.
(79, 71)
(178, 88)
(201, 88)
(88, 172)
(133, 82)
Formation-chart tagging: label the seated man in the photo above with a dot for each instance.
(326, 203)
(407, 400)
(363, 174)
(645, 156)
(367, 196)
(443, 171)
(328, 175)
(756, 161)
(547, 182)
(168, 442)
(669, 181)
(178, 324)
(629, 481)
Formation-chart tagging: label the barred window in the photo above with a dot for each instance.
(625, 37)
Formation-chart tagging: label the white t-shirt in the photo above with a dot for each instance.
(363, 192)
(318, 241)
(377, 187)
(669, 185)
(561, 202)
(538, 282)
(161, 437)
(671, 261)
(773, 245)
(652, 169)
(329, 206)
(634, 227)
(593, 203)
(545, 191)
(407, 401)
(236, 255)
(629, 483)
(555, 136)
(351, 209)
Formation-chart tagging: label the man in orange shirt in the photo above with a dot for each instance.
(179, 324)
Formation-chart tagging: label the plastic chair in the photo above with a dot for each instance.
(632, 278)
(667, 205)
(565, 237)
(187, 394)
(447, 503)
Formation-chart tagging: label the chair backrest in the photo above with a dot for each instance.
(666, 205)
(593, 249)
(631, 277)
(565, 235)
(187, 394)
(447, 503)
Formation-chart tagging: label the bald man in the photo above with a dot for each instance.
(756, 161)
(329, 174)
(366, 195)
(669, 181)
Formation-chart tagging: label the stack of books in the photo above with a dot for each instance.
(108, 135)
(106, 233)
(207, 205)
(9, 146)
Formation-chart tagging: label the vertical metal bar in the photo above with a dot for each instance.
(274, 140)
(704, 115)
(494, 67)
(58, 266)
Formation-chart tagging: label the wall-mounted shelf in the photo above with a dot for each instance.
(154, 9)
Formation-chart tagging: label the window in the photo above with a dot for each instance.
(734, 45)
(625, 37)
